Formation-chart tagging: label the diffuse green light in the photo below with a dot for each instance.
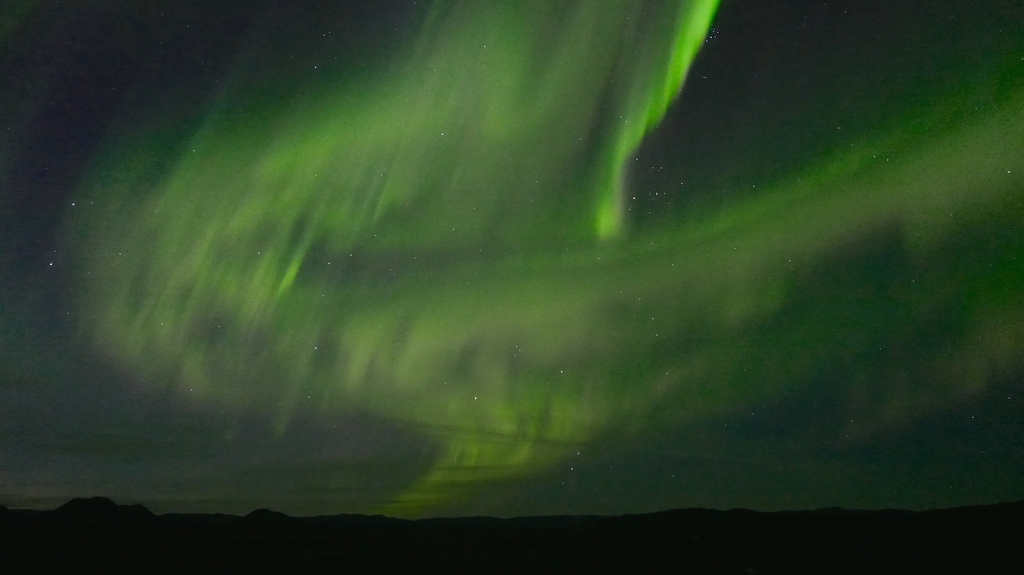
(316, 260)
(432, 253)
(12, 13)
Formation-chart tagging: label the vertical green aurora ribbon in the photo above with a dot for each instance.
(435, 250)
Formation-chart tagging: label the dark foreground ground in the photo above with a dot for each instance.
(97, 533)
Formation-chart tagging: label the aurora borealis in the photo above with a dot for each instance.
(419, 281)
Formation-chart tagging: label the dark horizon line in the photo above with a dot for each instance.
(101, 507)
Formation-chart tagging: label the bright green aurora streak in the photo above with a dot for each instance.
(448, 250)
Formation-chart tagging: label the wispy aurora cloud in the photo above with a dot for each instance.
(448, 250)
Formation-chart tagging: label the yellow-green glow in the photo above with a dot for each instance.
(425, 251)
(650, 104)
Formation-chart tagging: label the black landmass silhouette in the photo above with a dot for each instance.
(101, 509)
(98, 533)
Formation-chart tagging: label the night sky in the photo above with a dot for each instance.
(486, 258)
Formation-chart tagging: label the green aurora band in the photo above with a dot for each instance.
(448, 251)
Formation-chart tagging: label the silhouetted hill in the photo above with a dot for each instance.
(268, 517)
(101, 509)
(98, 532)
